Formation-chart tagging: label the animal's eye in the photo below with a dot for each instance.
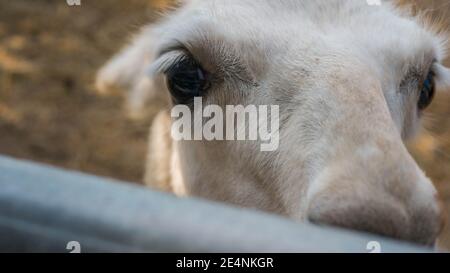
(186, 79)
(427, 93)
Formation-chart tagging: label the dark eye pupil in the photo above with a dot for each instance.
(427, 92)
(186, 80)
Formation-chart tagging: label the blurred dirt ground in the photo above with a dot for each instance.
(50, 111)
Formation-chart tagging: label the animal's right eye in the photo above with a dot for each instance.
(186, 79)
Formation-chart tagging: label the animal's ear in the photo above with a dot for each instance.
(127, 71)
(442, 78)
(124, 69)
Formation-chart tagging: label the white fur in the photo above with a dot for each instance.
(346, 76)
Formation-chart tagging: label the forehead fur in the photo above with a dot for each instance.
(244, 33)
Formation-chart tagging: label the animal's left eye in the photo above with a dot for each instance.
(427, 93)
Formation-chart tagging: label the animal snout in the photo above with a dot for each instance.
(389, 219)
(394, 200)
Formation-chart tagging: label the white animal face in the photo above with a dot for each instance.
(351, 81)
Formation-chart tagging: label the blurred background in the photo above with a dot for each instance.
(50, 111)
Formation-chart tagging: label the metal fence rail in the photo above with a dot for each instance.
(42, 209)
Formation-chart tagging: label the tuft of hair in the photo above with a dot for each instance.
(432, 15)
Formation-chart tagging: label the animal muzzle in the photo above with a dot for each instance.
(378, 189)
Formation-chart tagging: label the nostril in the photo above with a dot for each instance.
(429, 221)
(374, 216)
(394, 208)
(428, 224)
